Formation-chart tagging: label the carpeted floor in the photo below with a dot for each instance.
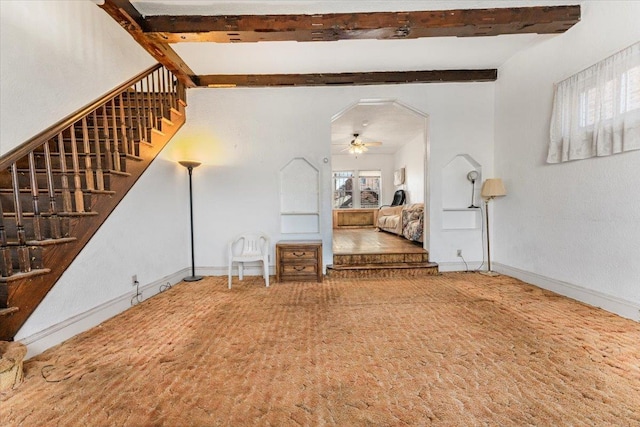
(452, 350)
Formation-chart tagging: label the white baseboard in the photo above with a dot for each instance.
(458, 266)
(627, 309)
(56, 334)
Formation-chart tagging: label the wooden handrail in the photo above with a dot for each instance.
(23, 149)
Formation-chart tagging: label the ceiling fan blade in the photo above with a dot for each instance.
(372, 144)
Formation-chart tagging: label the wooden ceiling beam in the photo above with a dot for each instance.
(123, 12)
(373, 25)
(351, 79)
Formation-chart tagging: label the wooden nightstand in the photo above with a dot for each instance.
(299, 261)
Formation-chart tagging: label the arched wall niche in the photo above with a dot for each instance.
(460, 195)
(299, 197)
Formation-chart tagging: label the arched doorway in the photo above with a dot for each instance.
(395, 137)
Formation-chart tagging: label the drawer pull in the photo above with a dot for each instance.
(299, 254)
(298, 268)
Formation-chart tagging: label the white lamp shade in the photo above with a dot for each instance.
(493, 187)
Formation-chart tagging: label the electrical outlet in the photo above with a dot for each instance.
(459, 253)
(134, 279)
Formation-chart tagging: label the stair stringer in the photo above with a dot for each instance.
(27, 293)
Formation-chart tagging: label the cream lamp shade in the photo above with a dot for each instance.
(493, 187)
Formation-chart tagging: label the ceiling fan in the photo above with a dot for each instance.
(358, 146)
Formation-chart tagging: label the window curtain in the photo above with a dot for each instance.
(597, 111)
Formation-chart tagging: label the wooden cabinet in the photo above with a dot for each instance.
(299, 260)
(354, 218)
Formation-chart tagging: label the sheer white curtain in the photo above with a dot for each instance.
(597, 111)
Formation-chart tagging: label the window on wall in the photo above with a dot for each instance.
(343, 189)
(369, 186)
(597, 111)
(616, 96)
(356, 189)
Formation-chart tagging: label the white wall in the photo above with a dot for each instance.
(381, 162)
(412, 157)
(57, 57)
(574, 223)
(246, 135)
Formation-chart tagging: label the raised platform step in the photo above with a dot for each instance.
(420, 256)
(368, 271)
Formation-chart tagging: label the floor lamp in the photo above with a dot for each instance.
(190, 165)
(490, 189)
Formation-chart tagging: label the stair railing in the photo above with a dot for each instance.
(79, 150)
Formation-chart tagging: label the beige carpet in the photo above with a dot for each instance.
(451, 350)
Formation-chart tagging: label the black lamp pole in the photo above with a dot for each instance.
(190, 165)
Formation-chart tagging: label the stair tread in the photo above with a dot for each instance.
(54, 153)
(121, 173)
(20, 275)
(44, 191)
(82, 171)
(107, 192)
(7, 311)
(134, 157)
(45, 242)
(47, 214)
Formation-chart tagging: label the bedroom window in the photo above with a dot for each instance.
(597, 111)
